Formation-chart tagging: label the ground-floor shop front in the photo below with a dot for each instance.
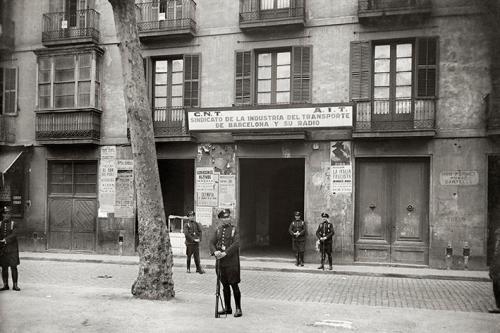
(391, 202)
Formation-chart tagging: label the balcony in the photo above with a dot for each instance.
(380, 11)
(7, 131)
(413, 118)
(255, 15)
(68, 126)
(7, 36)
(161, 20)
(70, 28)
(170, 124)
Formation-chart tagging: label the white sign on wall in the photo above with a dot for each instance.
(312, 117)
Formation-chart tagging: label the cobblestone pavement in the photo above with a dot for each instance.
(470, 296)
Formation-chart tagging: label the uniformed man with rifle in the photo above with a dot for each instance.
(325, 234)
(225, 246)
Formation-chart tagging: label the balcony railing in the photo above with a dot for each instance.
(7, 133)
(170, 122)
(68, 126)
(258, 14)
(7, 36)
(166, 17)
(374, 8)
(408, 116)
(68, 28)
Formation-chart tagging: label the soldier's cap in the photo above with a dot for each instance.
(6, 209)
(190, 213)
(225, 213)
(296, 213)
(325, 215)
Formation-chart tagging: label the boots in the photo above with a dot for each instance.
(5, 279)
(330, 267)
(237, 300)
(226, 290)
(301, 259)
(200, 270)
(14, 279)
(188, 265)
(297, 259)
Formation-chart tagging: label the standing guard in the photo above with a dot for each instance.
(192, 232)
(325, 234)
(225, 246)
(9, 250)
(297, 230)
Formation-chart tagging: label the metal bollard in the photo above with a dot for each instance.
(449, 255)
(120, 244)
(466, 254)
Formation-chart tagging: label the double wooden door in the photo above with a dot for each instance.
(392, 208)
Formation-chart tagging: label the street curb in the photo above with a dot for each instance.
(284, 270)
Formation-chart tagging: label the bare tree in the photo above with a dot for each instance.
(155, 268)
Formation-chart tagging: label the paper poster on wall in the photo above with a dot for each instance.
(124, 204)
(204, 215)
(227, 191)
(207, 187)
(107, 179)
(341, 167)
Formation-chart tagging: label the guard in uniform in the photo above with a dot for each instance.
(495, 272)
(297, 230)
(9, 250)
(325, 234)
(225, 246)
(192, 232)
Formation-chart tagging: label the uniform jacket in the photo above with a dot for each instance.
(192, 231)
(226, 239)
(300, 226)
(8, 232)
(325, 229)
(495, 262)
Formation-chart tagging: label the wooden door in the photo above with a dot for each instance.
(60, 211)
(392, 211)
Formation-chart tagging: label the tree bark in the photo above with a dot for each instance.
(154, 280)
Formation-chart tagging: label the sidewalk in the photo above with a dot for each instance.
(277, 264)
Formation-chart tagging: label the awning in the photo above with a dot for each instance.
(7, 160)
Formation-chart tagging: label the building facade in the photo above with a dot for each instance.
(381, 113)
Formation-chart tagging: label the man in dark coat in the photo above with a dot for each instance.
(325, 234)
(9, 250)
(192, 232)
(495, 272)
(225, 246)
(297, 230)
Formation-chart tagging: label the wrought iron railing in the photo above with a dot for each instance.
(7, 35)
(82, 24)
(403, 115)
(390, 5)
(166, 15)
(258, 11)
(170, 122)
(60, 125)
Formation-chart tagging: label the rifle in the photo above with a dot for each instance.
(323, 254)
(218, 297)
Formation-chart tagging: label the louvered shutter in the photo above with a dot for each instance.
(301, 77)
(427, 67)
(10, 90)
(192, 80)
(243, 78)
(360, 81)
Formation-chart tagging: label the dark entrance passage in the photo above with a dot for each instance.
(177, 185)
(270, 190)
(493, 202)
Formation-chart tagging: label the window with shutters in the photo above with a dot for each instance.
(267, 77)
(8, 90)
(69, 81)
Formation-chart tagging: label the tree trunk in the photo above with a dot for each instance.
(154, 280)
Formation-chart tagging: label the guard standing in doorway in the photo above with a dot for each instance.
(495, 272)
(297, 230)
(325, 234)
(9, 250)
(192, 232)
(225, 246)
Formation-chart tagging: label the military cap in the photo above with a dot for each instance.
(190, 213)
(225, 213)
(325, 215)
(296, 213)
(6, 209)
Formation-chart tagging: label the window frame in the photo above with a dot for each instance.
(4, 90)
(72, 183)
(274, 69)
(170, 61)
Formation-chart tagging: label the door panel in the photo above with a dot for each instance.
(84, 212)
(60, 223)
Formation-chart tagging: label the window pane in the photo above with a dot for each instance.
(176, 102)
(382, 51)
(177, 65)
(283, 97)
(403, 92)
(266, 4)
(177, 90)
(64, 95)
(283, 72)
(44, 95)
(84, 93)
(381, 80)
(403, 64)
(382, 66)
(160, 91)
(264, 73)
(264, 86)
(283, 4)
(403, 50)
(160, 102)
(161, 66)
(264, 59)
(283, 85)
(43, 76)
(64, 68)
(84, 61)
(283, 58)
(381, 93)
(264, 98)
(161, 78)
(97, 91)
(403, 78)
(177, 77)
